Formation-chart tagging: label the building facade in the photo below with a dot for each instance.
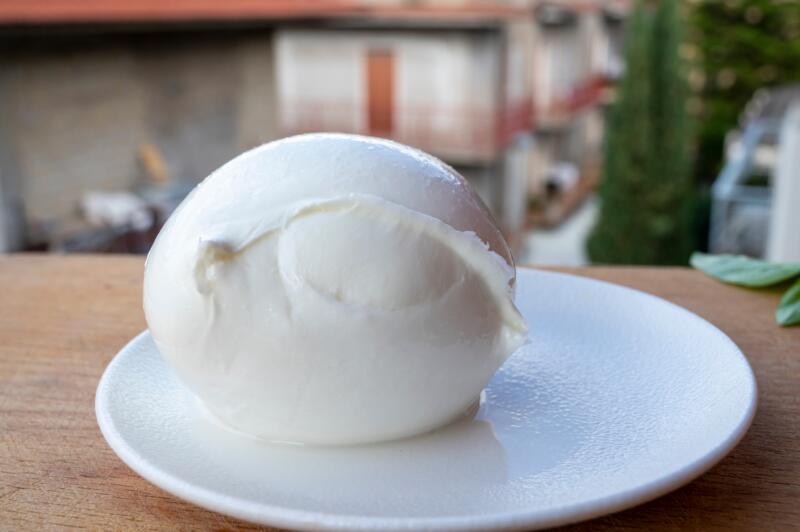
(510, 94)
(460, 92)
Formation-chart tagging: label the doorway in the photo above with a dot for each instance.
(380, 92)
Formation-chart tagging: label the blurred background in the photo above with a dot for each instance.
(598, 131)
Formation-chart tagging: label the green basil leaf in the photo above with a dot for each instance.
(744, 271)
(788, 311)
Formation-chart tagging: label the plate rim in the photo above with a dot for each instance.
(272, 515)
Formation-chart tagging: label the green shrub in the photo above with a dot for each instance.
(738, 47)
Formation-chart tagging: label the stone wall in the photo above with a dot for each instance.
(76, 112)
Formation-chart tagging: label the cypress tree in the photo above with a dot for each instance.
(645, 190)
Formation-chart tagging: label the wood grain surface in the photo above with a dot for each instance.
(62, 319)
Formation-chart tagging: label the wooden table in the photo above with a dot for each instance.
(62, 319)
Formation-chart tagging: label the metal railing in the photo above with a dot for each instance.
(731, 191)
(472, 131)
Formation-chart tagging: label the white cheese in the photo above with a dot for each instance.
(333, 289)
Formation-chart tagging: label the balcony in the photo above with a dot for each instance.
(458, 134)
(580, 96)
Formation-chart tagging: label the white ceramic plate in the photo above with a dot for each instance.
(619, 398)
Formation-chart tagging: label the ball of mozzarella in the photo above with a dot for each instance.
(333, 289)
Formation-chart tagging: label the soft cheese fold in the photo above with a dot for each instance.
(333, 289)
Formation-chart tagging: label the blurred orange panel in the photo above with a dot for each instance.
(380, 92)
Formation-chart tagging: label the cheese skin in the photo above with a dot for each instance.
(333, 289)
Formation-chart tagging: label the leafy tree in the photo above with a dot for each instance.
(738, 46)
